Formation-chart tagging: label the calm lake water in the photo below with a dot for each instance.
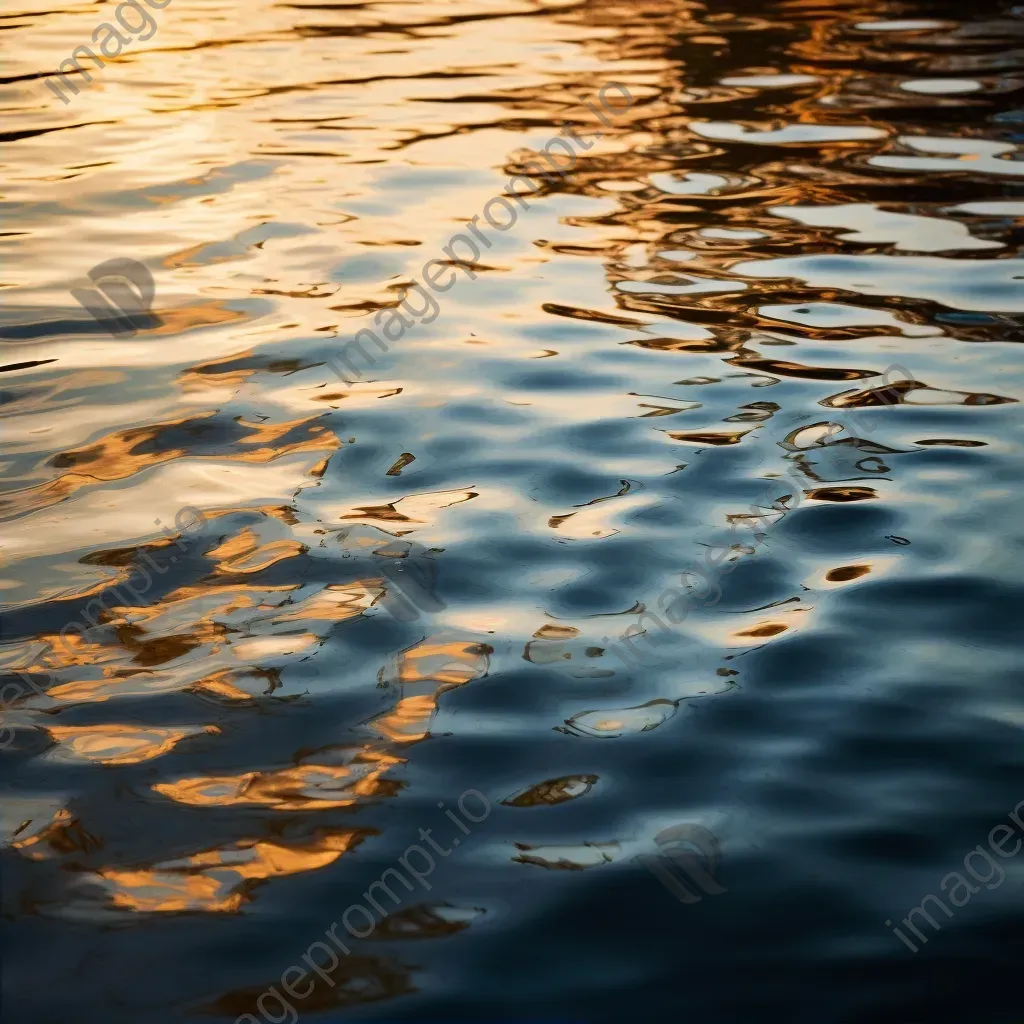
(693, 505)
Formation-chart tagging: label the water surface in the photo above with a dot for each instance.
(273, 618)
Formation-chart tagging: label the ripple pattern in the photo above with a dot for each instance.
(695, 504)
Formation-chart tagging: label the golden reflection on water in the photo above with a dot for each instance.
(308, 787)
(119, 744)
(219, 880)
